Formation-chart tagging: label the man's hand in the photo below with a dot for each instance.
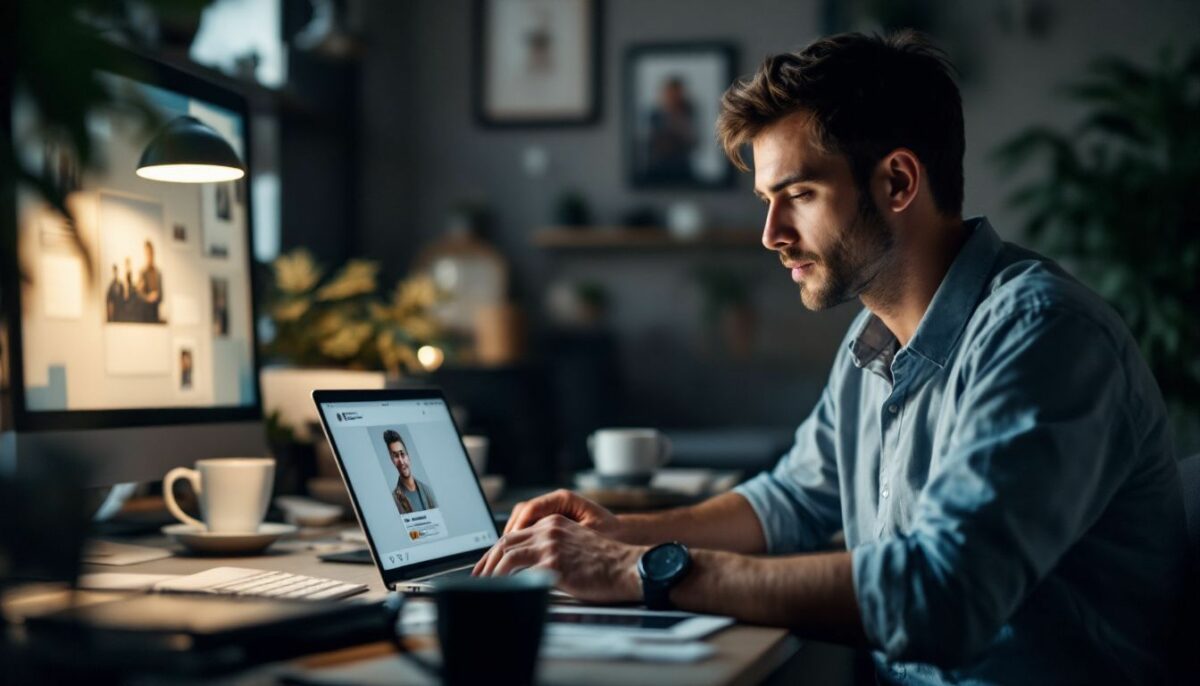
(590, 566)
(568, 504)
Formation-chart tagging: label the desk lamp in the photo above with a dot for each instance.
(189, 151)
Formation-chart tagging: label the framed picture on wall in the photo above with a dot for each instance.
(536, 62)
(672, 97)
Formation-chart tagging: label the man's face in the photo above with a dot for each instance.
(149, 254)
(400, 458)
(826, 232)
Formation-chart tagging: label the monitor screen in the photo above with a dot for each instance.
(411, 479)
(155, 313)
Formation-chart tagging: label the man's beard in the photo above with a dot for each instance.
(851, 263)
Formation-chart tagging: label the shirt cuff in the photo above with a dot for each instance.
(759, 492)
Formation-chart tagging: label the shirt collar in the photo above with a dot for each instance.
(948, 312)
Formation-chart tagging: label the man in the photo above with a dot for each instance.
(114, 300)
(672, 134)
(411, 495)
(131, 306)
(990, 441)
(150, 287)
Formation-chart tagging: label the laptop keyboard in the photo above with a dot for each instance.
(240, 581)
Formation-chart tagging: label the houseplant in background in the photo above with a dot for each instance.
(1118, 201)
(340, 320)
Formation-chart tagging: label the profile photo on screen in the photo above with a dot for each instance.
(410, 493)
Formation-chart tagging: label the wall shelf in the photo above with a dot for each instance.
(593, 238)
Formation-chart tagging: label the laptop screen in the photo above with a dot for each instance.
(412, 480)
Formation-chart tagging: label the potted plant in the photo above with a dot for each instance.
(1117, 199)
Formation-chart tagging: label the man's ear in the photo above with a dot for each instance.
(900, 173)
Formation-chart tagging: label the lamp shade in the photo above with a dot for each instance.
(189, 151)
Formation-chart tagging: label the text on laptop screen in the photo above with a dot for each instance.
(417, 494)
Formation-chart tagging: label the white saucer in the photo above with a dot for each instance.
(203, 541)
(594, 481)
(303, 511)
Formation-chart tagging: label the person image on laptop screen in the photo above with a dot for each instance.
(411, 494)
(408, 481)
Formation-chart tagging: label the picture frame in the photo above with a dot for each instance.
(536, 62)
(672, 94)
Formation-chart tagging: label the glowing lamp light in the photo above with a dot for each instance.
(189, 151)
(430, 357)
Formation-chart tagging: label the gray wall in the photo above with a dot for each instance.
(423, 152)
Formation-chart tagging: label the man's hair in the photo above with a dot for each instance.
(867, 95)
(392, 436)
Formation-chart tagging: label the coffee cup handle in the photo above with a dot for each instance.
(664, 450)
(169, 494)
(394, 606)
(591, 444)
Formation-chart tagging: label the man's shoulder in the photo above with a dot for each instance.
(1026, 288)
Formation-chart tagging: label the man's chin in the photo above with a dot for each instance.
(817, 300)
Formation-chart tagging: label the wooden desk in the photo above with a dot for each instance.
(745, 654)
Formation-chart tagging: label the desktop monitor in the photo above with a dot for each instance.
(138, 354)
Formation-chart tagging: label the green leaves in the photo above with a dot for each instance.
(1118, 197)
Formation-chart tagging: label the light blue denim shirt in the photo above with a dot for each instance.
(1005, 482)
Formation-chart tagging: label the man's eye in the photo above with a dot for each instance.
(802, 195)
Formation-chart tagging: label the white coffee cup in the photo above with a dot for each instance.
(477, 450)
(233, 492)
(628, 452)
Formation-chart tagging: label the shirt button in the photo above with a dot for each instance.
(893, 409)
(885, 492)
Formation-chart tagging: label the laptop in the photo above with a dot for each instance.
(414, 491)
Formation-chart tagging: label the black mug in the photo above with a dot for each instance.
(490, 628)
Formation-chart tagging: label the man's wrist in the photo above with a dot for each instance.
(632, 579)
(621, 530)
(637, 529)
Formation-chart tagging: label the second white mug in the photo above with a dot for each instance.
(233, 492)
(629, 452)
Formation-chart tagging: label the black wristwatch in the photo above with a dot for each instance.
(661, 568)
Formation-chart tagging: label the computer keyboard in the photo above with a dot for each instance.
(240, 581)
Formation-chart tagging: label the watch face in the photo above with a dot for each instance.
(665, 561)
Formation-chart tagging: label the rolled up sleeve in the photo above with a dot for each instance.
(1041, 445)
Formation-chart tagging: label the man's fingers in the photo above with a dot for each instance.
(483, 561)
(487, 565)
(516, 559)
(557, 502)
(514, 516)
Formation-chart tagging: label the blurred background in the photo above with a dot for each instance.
(522, 200)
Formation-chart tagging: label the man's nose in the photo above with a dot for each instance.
(778, 232)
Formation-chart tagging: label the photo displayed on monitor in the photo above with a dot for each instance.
(157, 312)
